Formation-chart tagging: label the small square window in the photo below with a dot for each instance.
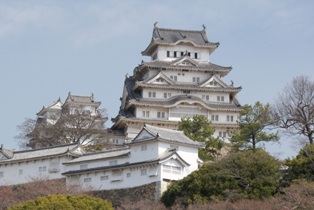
(113, 162)
(82, 167)
(104, 178)
(128, 175)
(86, 180)
(143, 172)
(143, 147)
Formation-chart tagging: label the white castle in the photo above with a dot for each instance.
(178, 82)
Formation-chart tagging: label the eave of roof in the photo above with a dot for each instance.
(174, 101)
(114, 153)
(163, 36)
(124, 165)
(168, 65)
(43, 153)
(188, 87)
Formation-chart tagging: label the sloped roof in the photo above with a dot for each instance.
(163, 134)
(163, 36)
(7, 153)
(175, 100)
(112, 153)
(176, 86)
(80, 99)
(166, 155)
(70, 149)
(204, 66)
(57, 105)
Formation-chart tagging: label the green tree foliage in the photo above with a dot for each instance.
(246, 174)
(64, 202)
(253, 121)
(302, 166)
(199, 129)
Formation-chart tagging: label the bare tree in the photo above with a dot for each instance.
(79, 119)
(294, 108)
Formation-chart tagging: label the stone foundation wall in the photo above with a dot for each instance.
(117, 197)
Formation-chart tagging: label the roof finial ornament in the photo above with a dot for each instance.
(127, 75)
(155, 24)
(231, 83)
(69, 95)
(204, 27)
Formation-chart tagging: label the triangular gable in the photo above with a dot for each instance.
(3, 157)
(185, 61)
(214, 81)
(5, 154)
(144, 134)
(56, 105)
(174, 160)
(160, 79)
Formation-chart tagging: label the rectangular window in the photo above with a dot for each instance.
(20, 171)
(166, 169)
(182, 53)
(176, 170)
(196, 79)
(86, 180)
(214, 118)
(152, 94)
(161, 115)
(104, 178)
(175, 54)
(229, 118)
(82, 167)
(172, 169)
(42, 169)
(167, 95)
(174, 78)
(128, 175)
(189, 54)
(113, 162)
(205, 97)
(143, 147)
(145, 113)
(143, 172)
(168, 54)
(220, 98)
(186, 92)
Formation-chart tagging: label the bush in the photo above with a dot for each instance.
(248, 174)
(64, 202)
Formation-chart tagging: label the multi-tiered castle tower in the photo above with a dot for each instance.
(178, 82)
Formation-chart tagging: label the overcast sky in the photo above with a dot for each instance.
(49, 48)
